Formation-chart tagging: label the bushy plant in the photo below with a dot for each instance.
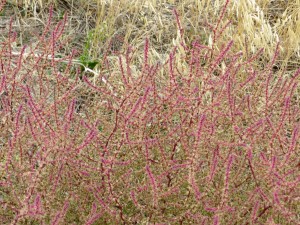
(203, 138)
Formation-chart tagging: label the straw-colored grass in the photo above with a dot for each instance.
(254, 25)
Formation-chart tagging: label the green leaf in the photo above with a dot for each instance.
(91, 64)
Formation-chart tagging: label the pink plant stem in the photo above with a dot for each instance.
(59, 216)
(154, 185)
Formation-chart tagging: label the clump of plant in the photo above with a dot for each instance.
(85, 59)
(204, 138)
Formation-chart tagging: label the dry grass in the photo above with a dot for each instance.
(254, 25)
